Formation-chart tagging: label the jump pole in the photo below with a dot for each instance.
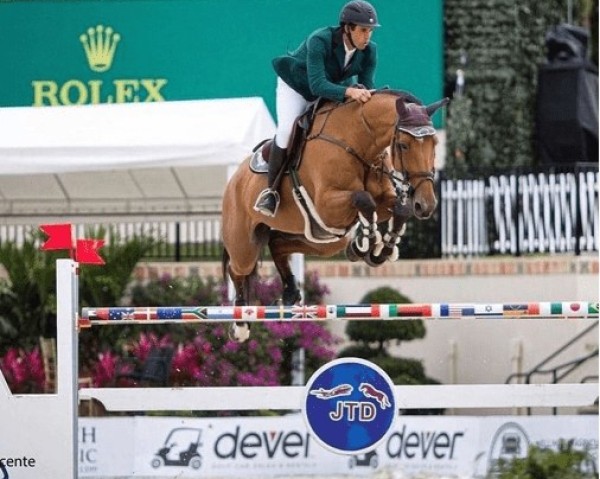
(291, 397)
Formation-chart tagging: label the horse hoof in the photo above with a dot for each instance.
(291, 298)
(239, 332)
(375, 261)
(352, 254)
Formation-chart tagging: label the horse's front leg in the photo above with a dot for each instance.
(389, 248)
(367, 234)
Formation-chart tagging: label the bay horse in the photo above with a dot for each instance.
(364, 170)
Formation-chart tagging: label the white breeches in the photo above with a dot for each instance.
(289, 105)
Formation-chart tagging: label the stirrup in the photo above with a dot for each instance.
(263, 205)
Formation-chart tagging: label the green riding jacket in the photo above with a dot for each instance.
(316, 68)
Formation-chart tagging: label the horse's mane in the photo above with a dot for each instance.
(408, 97)
(323, 106)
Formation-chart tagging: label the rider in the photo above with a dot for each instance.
(324, 65)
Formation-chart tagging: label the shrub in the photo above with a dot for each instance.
(545, 463)
(381, 332)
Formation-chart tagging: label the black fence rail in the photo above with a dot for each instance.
(515, 213)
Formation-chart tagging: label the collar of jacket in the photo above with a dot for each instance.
(337, 40)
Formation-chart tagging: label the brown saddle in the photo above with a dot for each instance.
(297, 140)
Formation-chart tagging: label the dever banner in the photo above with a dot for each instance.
(281, 446)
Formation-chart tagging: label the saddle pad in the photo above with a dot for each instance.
(314, 228)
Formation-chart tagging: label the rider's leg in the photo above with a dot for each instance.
(268, 200)
(290, 105)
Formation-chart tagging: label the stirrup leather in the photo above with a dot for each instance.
(261, 203)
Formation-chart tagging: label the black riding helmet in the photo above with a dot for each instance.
(359, 12)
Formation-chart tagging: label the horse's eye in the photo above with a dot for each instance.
(402, 146)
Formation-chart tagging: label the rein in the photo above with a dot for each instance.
(402, 183)
(376, 165)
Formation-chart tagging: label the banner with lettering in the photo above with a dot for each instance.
(466, 446)
(112, 51)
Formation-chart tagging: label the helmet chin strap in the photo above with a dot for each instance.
(349, 36)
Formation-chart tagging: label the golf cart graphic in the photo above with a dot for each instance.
(180, 449)
(368, 459)
(509, 442)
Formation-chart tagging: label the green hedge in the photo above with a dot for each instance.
(503, 42)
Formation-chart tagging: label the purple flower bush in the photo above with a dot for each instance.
(204, 355)
(23, 370)
(209, 358)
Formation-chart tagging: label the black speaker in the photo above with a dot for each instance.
(567, 99)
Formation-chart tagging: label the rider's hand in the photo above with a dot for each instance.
(359, 94)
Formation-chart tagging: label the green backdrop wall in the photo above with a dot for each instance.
(194, 49)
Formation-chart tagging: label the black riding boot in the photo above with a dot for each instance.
(268, 200)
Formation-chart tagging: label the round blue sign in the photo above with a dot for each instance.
(350, 405)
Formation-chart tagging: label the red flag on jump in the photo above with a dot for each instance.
(59, 237)
(87, 251)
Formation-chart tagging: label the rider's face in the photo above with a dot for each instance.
(360, 36)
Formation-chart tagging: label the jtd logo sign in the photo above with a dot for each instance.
(350, 405)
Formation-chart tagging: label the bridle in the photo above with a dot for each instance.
(402, 183)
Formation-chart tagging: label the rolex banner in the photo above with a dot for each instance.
(428, 446)
(84, 52)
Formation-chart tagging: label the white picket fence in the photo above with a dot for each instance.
(501, 214)
(514, 214)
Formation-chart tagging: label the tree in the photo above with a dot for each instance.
(383, 332)
(373, 339)
(28, 294)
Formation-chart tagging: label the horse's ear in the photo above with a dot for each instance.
(401, 107)
(431, 109)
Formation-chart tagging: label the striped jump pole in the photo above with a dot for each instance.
(433, 311)
(290, 397)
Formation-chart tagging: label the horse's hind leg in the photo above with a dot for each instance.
(241, 268)
(239, 331)
(291, 294)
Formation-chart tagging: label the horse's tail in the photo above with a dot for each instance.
(225, 263)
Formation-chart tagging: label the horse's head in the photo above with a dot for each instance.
(413, 154)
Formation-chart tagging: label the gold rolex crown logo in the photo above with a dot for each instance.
(100, 44)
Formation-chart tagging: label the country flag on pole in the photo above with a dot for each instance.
(456, 310)
(305, 312)
(489, 310)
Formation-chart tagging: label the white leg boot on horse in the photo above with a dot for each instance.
(366, 236)
(389, 248)
(268, 199)
(239, 332)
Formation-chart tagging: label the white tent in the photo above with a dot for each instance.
(117, 158)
